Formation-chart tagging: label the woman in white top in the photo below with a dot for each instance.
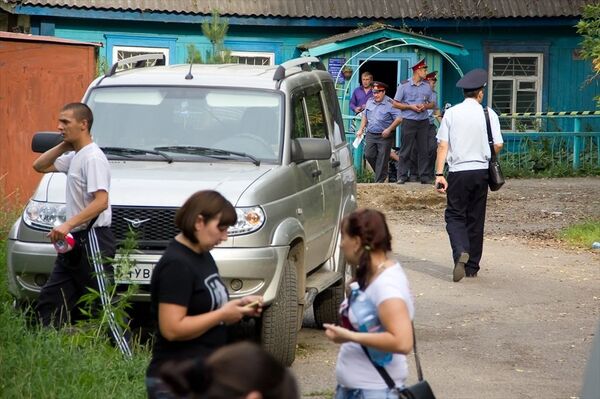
(366, 243)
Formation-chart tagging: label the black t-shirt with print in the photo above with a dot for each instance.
(184, 277)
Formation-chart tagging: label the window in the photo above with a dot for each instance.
(254, 58)
(122, 52)
(316, 116)
(516, 87)
(299, 129)
(336, 124)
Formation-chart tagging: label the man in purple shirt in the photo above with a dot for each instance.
(414, 98)
(362, 94)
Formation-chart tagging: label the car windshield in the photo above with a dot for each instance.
(171, 118)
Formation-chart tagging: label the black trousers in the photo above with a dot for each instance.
(465, 214)
(85, 266)
(377, 153)
(415, 137)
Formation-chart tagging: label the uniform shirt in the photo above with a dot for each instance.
(353, 368)
(414, 93)
(187, 278)
(380, 115)
(87, 172)
(359, 98)
(464, 128)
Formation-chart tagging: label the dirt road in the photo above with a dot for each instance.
(523, 328)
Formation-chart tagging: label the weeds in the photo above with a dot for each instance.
(583, 234)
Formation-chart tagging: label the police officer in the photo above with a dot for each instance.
(414, 98)
(379, 121)
(463, 143)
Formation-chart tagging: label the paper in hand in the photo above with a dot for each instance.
(357, 141)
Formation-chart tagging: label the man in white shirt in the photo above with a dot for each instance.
(88, 221)
(463, 144)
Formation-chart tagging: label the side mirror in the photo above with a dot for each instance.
(304, 149)
(43, 141)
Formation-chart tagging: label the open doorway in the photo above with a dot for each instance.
(383, 71)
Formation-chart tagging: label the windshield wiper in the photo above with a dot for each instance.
(127, 150)
(190, 149)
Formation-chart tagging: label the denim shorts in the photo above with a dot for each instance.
(354, 393)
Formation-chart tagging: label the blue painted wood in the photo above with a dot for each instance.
(113, 40)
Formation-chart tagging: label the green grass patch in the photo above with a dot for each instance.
(583, 234)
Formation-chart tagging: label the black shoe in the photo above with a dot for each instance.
(459, 267)
(471, 274)
(401, 181)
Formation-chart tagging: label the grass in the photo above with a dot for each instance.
(45, 363)
(583, 234)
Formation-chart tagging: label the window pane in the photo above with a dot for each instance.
(253, 60)
(502, 100)
(515, 66)
(299, 129)
(526, 102)
(316, 117)
(336, 123)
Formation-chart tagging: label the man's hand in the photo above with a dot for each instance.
(386, 133)
(441, 180)
(359, 132)
(59, 232)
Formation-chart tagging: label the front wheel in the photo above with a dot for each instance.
(279, 323)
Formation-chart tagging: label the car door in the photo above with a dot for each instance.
(309, 194)
(329, 177)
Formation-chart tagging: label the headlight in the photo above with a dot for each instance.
(44, 215)
(249, 220)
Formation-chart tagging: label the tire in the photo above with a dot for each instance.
(279, 323)
(327, 304)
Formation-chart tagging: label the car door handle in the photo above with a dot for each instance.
(316, 173)
(335, 163)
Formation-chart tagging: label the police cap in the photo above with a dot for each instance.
(379, 86)
(473, 80)
(431, 76)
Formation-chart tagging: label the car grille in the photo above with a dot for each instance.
(154, 227)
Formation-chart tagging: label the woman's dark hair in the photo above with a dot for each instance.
(209, 204)
(231, 372)
(370, 226)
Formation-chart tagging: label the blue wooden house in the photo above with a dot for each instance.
(530, 48)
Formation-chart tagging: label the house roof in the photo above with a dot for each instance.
(46, 39)
(377, 33)
(337, 9)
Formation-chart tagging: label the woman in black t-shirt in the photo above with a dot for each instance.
(188, 298)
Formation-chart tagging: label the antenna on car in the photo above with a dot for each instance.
(189, 76)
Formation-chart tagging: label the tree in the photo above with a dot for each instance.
(215, 31)
(589, 29)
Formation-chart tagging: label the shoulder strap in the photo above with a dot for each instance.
(91, 223)
(383, 372)
(489, 133)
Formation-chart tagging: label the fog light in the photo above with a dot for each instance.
(40, 279)
(236, 284)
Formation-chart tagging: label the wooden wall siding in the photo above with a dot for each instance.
(36, 80)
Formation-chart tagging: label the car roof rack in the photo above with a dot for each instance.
(138, 61)
(302, 62)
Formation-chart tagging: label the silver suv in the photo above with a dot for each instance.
(269, 138)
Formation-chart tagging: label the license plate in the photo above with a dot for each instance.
(139, 274)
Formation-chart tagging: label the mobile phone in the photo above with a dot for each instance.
(254, 304)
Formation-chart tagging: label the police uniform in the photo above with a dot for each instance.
(379, 116)
(464, 130)
(415, 128)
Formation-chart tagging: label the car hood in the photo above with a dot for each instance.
(164, 184)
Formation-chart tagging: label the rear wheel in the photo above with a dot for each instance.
(279, 324)
(327, 304)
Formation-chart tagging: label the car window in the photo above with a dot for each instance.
(335, 122)
(316, 116)
(299, 129)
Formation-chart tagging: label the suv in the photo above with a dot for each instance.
(269, 138)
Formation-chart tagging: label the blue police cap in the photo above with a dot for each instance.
(473, 79)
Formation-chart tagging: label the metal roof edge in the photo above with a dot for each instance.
(49, 39)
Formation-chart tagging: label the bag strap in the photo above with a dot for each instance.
(91, 223)
(383, 372)
(489, 134)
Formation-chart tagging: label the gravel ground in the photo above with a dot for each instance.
(523, 328)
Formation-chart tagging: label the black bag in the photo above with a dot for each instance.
(420, 390)
(496, 177)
